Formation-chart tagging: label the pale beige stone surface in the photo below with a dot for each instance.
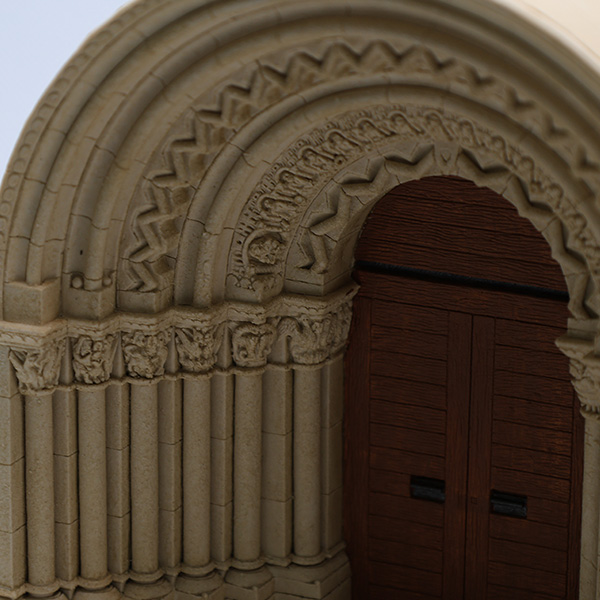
(177, 228)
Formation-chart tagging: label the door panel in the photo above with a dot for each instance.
(459, 380)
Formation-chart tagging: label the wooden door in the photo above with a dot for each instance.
(456, 392)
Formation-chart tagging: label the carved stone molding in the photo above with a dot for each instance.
(38, 370)
(93, 358)
(145, 353)
(251, 343)
(585, 372)
(197, 347)
(315, 339)
(317, 327)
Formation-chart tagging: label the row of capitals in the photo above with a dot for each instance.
(238, 334)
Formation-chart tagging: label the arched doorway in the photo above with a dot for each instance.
(464, 442)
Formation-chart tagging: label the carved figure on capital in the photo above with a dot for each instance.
(38, 370)
(251, 343)
(584, 367)
(314, 339)
(197, 347)
(145, 353)
(93, 358)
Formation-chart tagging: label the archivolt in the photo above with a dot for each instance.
(182, 115)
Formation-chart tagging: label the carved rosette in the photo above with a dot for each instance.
(197, 347)
(38, 370)
(314, 339)
(585, 372)
(145, 353)
(251, 343)
(93, 358)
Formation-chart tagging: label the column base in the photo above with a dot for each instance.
(329, 580)
(209, 587)
(249, 585)
(108, 593)
(159, 590)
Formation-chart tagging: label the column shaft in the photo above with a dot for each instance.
(39, 489)
(196, 472)
(307, 462)
(247, 466)
(144, 477)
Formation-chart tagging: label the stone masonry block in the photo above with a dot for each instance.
(220, 531)
(277, 401)
(118, 543)
(276, 534)
(331, 510)
(117, 416)
(221, 408)
(11, 429)
(12, 558)
(12, 496)
(169, 412)
(332, 393)
(169, 527)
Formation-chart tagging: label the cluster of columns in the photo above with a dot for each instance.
(144, 478)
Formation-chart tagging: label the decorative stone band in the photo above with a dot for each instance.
(232, 333)
(585, 371)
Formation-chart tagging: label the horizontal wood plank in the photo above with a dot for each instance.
(423, 465)
(531, 362)
(526, 555)
(384, 528)
(409, 317)
(533, 414)
(533, 438)
(521, 531)
(387, 593)
(407, 415)
(530, 387)
(406, 508)
(537, 486)
(415, 368)
(531, 461)
(405, 578)
(402, 438)
(529, 336)
(524, 578)
(406, 555)
(500, 592)
(475, 301)
(405, 391)
(404, 341)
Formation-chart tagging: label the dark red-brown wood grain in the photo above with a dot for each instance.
(466, 385)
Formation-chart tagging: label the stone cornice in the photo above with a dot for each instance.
(316, 327)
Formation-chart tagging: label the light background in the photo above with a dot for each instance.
(38, 36)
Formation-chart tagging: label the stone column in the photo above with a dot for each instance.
(316, 339)
(92, 363)
(251, 344)
(145, 354)
(196, 350)
(38, 373)
(585, 371)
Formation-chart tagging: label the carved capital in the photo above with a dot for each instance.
(93, 358)
(251, 344)
(145, 353)
(314, 339)
(38, 370)
(585, 372)
(197, 347)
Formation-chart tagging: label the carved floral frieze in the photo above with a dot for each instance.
(316, 327)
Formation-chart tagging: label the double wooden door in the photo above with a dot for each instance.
(463, 436)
